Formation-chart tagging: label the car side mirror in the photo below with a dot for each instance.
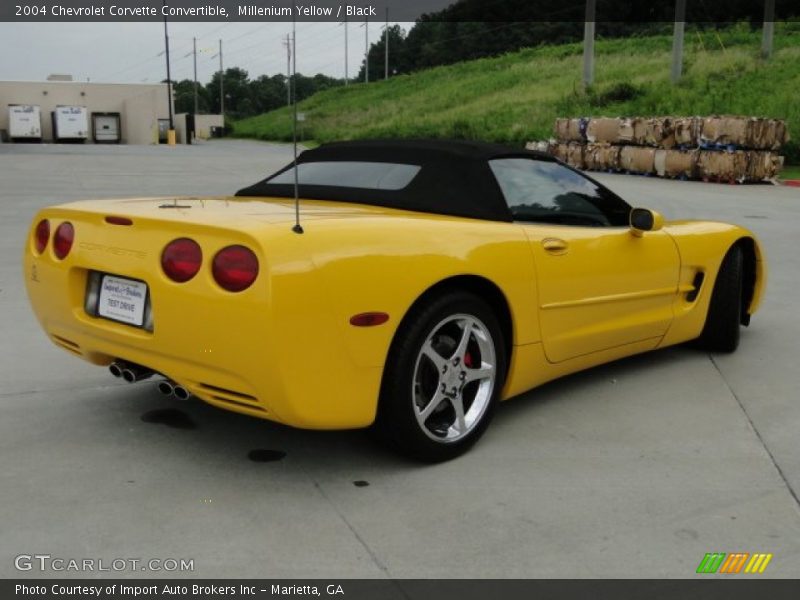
(644, 219)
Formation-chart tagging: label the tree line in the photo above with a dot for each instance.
(245, 97)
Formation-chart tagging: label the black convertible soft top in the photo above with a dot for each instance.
(454, 176)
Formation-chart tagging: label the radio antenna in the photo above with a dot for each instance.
(297, 227)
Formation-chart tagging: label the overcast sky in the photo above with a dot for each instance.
(129, 52)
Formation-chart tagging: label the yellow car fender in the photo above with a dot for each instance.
(702, 246)
(386, 266)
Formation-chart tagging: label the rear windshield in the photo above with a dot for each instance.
(351, 174)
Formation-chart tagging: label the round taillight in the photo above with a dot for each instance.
(62, 240)
(235, 268)
(42, 235)
(181, 259)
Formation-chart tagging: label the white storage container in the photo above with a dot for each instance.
(70, 123)
(24, 122)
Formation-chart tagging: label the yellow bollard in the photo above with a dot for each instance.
(171, 137)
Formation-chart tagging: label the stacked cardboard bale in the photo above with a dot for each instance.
(718, 148)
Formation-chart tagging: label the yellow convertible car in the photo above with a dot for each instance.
(413, 286)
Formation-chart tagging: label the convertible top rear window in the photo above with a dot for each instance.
(351, 174)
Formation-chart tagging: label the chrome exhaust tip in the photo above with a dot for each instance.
(132, 373)
(115, 369)
(181, 393)
(166, 388)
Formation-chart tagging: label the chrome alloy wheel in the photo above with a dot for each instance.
(454, 378)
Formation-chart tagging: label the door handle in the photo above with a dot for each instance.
(555, 245)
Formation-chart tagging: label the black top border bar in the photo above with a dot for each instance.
(605, 11)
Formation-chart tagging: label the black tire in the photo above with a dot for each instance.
(723, 321)
(402, 395)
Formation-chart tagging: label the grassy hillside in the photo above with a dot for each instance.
(516, 97)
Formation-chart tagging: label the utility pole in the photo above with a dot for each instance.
(386, 58)
(366, 49)
(588, 43)
(194, 53)
(171, 132)
(769, 28)
(221, 87)
(677, 41)
(346, 76)
(288, 45)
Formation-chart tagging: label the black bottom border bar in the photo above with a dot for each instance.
(727, 588)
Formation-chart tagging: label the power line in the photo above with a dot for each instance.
(321, 40)
(125, 70)
(139, 64)
(238, 37)
(213, 31)
(267, 55)
(259, 44)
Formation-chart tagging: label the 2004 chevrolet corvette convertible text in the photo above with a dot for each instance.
(430, 280)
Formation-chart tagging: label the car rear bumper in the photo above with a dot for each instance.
(252, 352)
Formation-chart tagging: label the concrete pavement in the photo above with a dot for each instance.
(633, 469)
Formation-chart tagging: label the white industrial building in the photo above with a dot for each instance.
(66, 110)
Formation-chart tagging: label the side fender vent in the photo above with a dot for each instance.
(697, 283)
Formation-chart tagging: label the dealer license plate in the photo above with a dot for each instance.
(122, 300)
